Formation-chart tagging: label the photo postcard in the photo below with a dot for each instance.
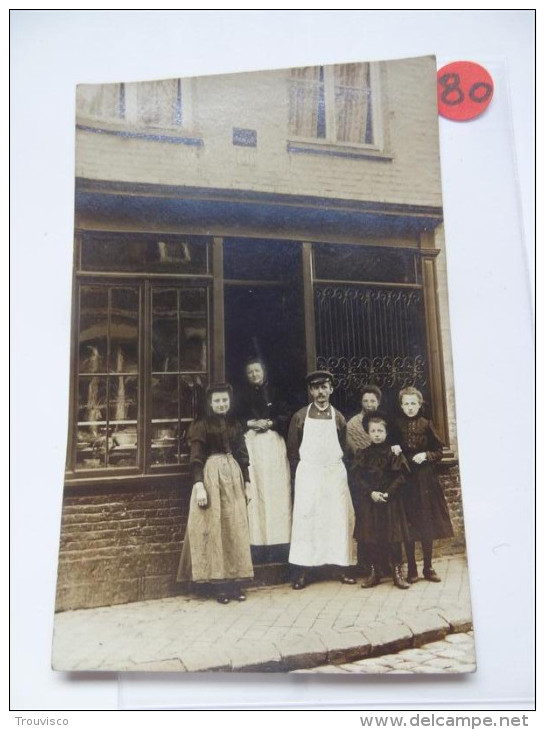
(262, 468)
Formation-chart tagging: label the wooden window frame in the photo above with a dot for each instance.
(144, 281)
(330, 143)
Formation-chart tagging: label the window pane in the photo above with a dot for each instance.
(93, 329)
(260, 259)
(353, 103)
(192, 396)
(354, 263)
(109, 450)
(92, 426)
(165, 446)
(107, 422)
(123, 448)
(165, 330)
(165, 419)
(124, 330)
(92, 403)
(306, 91)
(123, 400)
(164, 398)
(107, 409)
(179, 345)
(103, 101)
(193, 330)
(135, 252)
(169, 433)
(159, 102)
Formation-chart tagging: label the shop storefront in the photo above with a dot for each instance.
(175, 288)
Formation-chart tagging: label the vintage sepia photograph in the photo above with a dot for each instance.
(262, 469)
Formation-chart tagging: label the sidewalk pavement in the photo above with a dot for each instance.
(276, 629)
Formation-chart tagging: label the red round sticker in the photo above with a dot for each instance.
(464, 90)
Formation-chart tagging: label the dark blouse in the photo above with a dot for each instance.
(297, 424)
(216, 435)
(263, 401)
(415, 435)
(377, 469)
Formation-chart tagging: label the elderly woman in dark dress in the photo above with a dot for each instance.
(425, 503)
(216, 549)
(265, 418)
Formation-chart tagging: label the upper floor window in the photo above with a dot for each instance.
(162, 104)
(101, 101)
(335, 104)
(159, 103)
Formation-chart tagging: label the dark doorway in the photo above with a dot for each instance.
(264, 314)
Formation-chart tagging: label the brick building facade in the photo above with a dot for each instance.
(217, 217)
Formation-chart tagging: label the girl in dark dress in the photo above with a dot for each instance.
(379, 476)
(425, 502)
(216, 547)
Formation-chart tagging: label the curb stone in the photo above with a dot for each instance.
(346, 646)
(308, 651)
(426, 626)
(262, 657)
(388, 638)
(458, 618)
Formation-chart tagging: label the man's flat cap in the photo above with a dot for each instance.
(317, 377)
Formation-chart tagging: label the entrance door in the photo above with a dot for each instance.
(264, 314)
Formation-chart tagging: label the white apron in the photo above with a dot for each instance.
(269, 510)
(323, 515)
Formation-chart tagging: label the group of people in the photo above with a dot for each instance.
(267, 487)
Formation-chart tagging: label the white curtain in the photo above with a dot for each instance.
(352, 103)
(157, 102)
(304, 96)
(99, 100)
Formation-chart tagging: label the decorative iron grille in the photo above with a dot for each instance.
(369, 335)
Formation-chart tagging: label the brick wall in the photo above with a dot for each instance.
(449, 477)
(119, 545)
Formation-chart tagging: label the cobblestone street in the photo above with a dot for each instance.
(454, 654)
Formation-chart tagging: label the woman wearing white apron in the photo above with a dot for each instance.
(323, 515)
(264, 417)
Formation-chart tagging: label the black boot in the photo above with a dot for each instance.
(399, 578)
(431, 575)
(412, 570)
(427, 552)
(372, 579)
(412, 573)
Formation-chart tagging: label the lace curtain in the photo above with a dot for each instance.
(305, 91)
(99, 100)
(158, 103)
(332, 103)
(353, 103)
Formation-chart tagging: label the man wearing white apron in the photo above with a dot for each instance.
(323, 515)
